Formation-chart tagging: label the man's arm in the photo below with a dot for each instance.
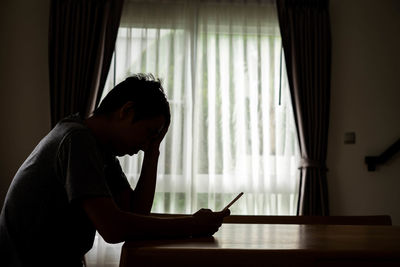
(115, 225)
(141, 199)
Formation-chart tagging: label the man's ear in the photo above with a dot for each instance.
(127, 110)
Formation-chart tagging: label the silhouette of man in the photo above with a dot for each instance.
(72, 184)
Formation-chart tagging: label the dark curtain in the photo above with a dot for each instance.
(306, 41)
(82, 36)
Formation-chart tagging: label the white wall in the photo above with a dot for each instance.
(24, 86)
(365, 98)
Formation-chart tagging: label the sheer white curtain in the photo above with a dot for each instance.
(232, 126)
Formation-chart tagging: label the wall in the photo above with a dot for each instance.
(365, 98)
(24, 93)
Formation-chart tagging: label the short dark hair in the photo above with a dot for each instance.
(146, 93)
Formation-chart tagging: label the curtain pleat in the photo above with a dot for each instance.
(305, 32)
(81, 42)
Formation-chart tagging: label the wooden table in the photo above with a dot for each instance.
(273, 245)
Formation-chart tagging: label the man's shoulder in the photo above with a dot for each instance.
(69, 131)
(73, 135)
(72, 125)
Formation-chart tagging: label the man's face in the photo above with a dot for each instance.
(134, 136)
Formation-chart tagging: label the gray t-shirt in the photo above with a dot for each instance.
(41, 223)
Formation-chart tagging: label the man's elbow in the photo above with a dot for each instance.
(112, 228)
(108, 220)
(112, 236)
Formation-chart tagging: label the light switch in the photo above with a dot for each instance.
(350, 138)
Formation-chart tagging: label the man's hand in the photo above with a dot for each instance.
(206, 222)
(141, 199)
(154, 146)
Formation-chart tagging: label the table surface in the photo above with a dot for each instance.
(250, 243)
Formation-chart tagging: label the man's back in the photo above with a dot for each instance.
(39, 220)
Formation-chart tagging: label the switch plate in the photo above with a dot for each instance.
(350, 138)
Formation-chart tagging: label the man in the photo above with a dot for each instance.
(72, 184)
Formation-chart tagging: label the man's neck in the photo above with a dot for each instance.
(100, 127)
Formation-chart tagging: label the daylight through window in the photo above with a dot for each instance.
(232, 126)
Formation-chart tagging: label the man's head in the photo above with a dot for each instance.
(138, 114)
(144, 91)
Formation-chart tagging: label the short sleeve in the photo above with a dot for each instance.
(81, 164)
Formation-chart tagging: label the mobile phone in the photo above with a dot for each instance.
(233, 201)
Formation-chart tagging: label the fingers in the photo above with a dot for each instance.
(166, 126)
(223, 213)
(158, 139)
(205, 231)
(207, 222)
(226, 212)
(207, 214)
(206, 210)
(203, 211)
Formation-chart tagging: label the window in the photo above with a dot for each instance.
(232, 126)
